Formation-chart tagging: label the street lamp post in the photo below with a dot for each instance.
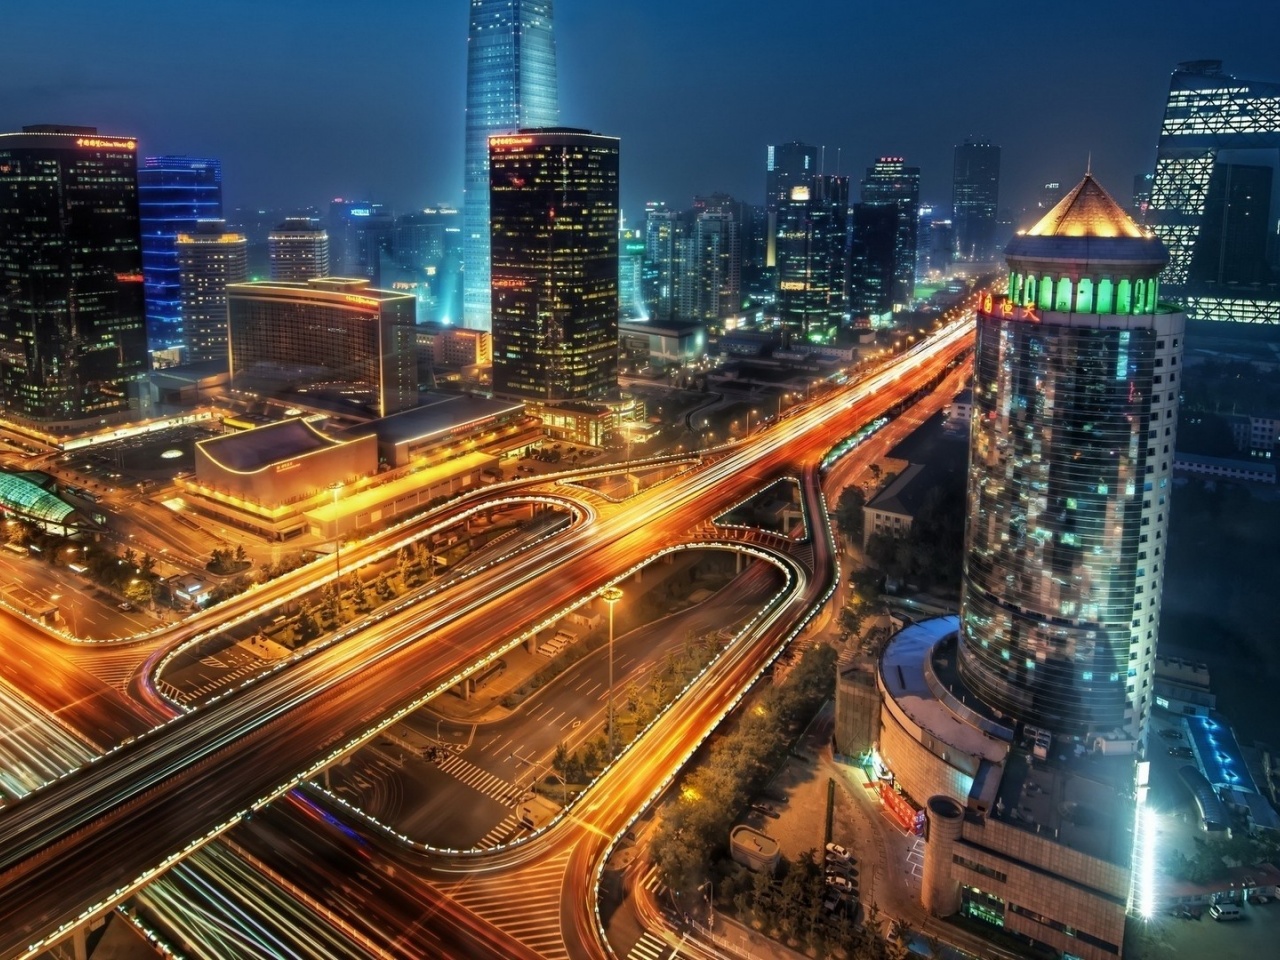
(611, 595)
(336, 490)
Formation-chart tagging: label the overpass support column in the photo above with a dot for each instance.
(531, 645)
(80, 942)
(737, 562)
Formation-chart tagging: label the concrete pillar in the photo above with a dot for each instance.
(737, 562)
(80, 943)
(939, 891)
(531, 645)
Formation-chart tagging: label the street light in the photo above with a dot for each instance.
(611, 595)
(336, 490)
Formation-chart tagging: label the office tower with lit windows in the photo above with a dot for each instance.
(709, 281)
(360, 233)
(975, 195)
(812, 243)
(891, 183)
(873, 245)
(631, 274)
(331, 337)
(511, 85)
(1075, 397)
(174, 194)
(1214, 197)
(554, 222)
(424, 257)
(209, 258)
(298, 250)
(72, 309)
(663, 239)
(787, 165)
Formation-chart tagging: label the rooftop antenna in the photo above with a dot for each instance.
(839, 153)
(1088, 165)
(822, 159)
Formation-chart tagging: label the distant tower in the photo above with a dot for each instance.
(554, 208)
(975, 195)
(299, 250)
(813, 229)
(1214, 194)
(891, 183)
(511, 84)
(1075, 397)
(787, 165)
(174, 194)
(208, 259)
(71, 304)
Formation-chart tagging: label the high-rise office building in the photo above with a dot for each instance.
(554, 215)
(812, 244)
(1075, 397)
(975, 195)
(424, 258)
(1141, 206)
(872, 260)
(298, 250)
(891, 183)
(709, 280)
(72, 311)
(787, 165)
(1214, 200)
(360, 233)
(631, 274)
(663, 238)
(511, 85)
(174, 194)
(208, 259)
(330, 336)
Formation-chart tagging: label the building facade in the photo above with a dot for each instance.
(975, 196)
(208, 260)
(872, 260)
(554, 216)
(298, 250)
(72, 309)
(787, 165)
(1214, 199)
(331, 336)
(174, 194)
(511, 84)
(811, 265)
(890, 183)
(1076, 381)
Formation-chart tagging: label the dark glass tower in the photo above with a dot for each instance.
(1213, 197)
(1075, 401)
(891, 183)
(787, 165)
(813, 228)
(554, 216)
(72, 314)
(511, 85)
(174, 193)
(872, 255)
(975, 195)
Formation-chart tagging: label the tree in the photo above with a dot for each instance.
(139, 591)
(147, 565)
(241, 557)
(849, 511)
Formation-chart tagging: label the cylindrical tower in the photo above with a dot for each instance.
(939, 891)
(1071, 454)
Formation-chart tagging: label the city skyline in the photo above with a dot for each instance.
(878, 100)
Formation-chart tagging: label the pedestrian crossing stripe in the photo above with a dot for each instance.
(481, 780)
(649, 947)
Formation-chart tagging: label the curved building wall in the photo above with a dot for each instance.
(1071, 450)
(921, 765)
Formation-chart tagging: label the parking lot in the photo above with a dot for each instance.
(1254, 936)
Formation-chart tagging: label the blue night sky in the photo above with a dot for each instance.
(308, 99)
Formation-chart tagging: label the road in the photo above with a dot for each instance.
(84, 841)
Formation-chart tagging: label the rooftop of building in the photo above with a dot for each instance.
(437, 415)
(1080, 799)
(253, 450)
(354, 290)
(904, 495)
(672, 328)
(1218, 753)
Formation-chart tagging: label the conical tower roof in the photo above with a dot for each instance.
(1087, 211)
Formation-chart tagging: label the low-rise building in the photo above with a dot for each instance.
(891, 511)
(1226, 468)
(447, 423)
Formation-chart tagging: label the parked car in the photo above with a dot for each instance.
(1171, 734)
(1183, 753)
(839, 882)
(1225, 911)
(839, 851)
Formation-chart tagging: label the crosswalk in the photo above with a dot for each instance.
(500, 834)
(649, 947)
(653, 884)
(113, 667)
(482, 781)
(532, 916)
(220, 683)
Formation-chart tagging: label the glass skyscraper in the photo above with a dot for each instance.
(891, 183)
(1075, 402)
(975, 195)
(511, 84)
(174, 194)
(555, 265)
(812, 243)
(1214, 198)
(72, 316)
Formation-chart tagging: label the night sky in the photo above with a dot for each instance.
(308, 99)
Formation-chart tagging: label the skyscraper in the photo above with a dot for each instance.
(359, 233)
(209, 258)
(872, 258)
(174, 193)
(975, 194)
(554, 216)
(1214, 200)
(891, 183)
(786, 165)
(72, 313)
(812, 241)
(663, 236)
(1075, 405)
(298, 250)
(511, 85)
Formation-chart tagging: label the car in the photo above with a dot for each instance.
(1225, 911)
(1183, 753)
(126, 606)
(839, 851)
(1171, 734)
(840, 883)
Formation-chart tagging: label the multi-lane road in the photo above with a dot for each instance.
(83, 842)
